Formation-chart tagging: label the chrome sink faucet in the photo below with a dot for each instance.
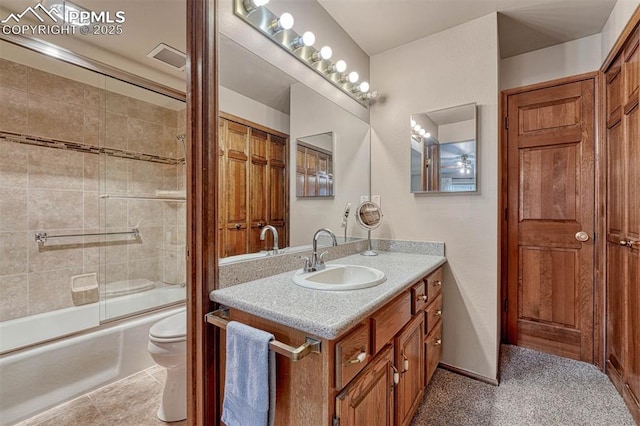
(274, 231)
(316, 262)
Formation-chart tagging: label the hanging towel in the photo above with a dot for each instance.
(249, 389)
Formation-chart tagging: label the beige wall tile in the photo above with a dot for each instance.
(172, 146)
(91, 169)
(13, 297)
(114, 213)
(13, 209)
(13, 253)
(145, 137)
(150, 269)
(13, 74)
(93, 126)
(116, 251)
(117, 103)
(145, 177)
(14, 160)
(55, 168)
(94, 97)
(55, 254)
(116, 131)
(55, 87)
(54, 119)
(115, 272)
(148, 246)
(116, 175)
(145, 213)
(15, 109)
(149, 112)
(181, 119)
(51, 290)
(52, 209)
(91, 210)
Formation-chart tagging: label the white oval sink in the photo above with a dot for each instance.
(340, 277)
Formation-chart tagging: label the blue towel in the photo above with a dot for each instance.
(249, 389)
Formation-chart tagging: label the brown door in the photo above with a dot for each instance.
(258, 191)
(550, 175)
(410, 363)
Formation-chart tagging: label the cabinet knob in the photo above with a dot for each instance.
(361, 357)
(260, 225)
(438, 283)
(625, 243)
(421, 297)
(438, 342)
(438, 313)
(238, 226)
(396, 376)
(405, 364)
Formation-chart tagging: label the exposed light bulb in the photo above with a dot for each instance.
(250, 5)
(413, 123)
(427, 135)
(341, 66)
(423, 132)
(461, 170)
(364, 87)
(417, 127)
(353, 77)
(308, 38)
(326, 53)
(284, 22)
(259, 3)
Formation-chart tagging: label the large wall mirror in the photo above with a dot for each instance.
(444, 150)
(290, 159)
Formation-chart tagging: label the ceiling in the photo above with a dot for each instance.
(524, 25)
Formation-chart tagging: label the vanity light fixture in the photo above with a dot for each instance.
(306, 39)
(422, 132)
(279, 29)
(427, 135)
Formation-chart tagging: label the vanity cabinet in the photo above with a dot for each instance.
(374, 374)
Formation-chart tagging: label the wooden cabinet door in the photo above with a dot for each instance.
(236, 185)
(550, 200)
(433, 351)
(368, 399)
(258, 191)
(410, 364)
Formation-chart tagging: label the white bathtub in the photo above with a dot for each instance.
(33, 380)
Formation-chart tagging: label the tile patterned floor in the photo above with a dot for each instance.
(131, 401)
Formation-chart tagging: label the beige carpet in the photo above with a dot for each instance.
(535, 389)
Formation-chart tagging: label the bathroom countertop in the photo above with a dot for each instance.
(327, 314)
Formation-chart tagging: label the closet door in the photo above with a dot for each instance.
(278, 188)
(236, 179)
(258, 191)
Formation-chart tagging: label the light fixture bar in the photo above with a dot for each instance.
(262, 19)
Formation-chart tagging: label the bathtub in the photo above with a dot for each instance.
(38, 378)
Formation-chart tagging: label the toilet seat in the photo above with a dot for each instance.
(170, 330)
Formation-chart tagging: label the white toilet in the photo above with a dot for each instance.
(168, 348)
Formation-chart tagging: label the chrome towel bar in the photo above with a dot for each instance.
(42, 237)
(220, 318)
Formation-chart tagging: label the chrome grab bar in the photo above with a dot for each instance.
(142, 197)
(220, 318)
(42, 237)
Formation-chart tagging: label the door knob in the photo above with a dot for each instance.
(629, 244)
(582, 236)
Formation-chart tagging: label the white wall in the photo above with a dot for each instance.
(562, 60)
(241, 106)
(466, 223)
(618, 18)
(457, 132)
(312, 114)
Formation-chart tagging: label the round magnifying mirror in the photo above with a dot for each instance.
(369, 216)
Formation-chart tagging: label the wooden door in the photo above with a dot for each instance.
(278, 188)
(222, 204)
(235, 181)
(258, 190)
(368, 399)
(410, 363)
(550, 170)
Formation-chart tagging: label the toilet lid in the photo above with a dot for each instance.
(171, 327)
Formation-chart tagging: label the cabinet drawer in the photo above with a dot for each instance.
(352, 354)
(419, 296)
(433, 314)
(386, 322)
(433, 349)
(434, 283)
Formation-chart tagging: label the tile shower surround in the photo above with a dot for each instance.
(57, 190)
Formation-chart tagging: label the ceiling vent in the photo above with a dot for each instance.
(169, 56)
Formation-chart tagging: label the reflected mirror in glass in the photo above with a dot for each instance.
(444, 150)
(314, 165)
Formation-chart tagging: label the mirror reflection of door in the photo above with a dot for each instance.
(314, 166)
(443, 150)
